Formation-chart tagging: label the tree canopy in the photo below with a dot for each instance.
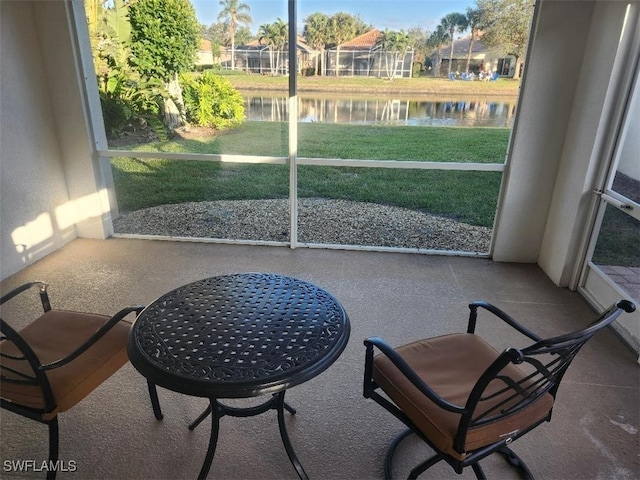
(164, 37)
(275, 36)
(316, 33)
(419, 37)
(506, 26)
(438, 38)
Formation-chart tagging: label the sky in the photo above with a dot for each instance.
(391, 14)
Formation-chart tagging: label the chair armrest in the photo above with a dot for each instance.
(108, 325)
(44, 297)
(607, 317)
(405, 370)
(473, 315)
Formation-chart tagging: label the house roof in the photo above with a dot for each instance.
(461, 47)
(366, 40)
(302, 45)
(253, 44)
(205, 45)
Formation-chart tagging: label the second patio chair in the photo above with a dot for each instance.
(466, 400)
(57, 360)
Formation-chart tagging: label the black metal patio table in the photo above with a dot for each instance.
(238, 336)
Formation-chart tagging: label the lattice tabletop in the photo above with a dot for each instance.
(238, 335)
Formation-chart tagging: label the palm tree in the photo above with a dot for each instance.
(275, 36)
(453, 22)
(473, 21)
(437, 39)
(394, 45)
(281, 37)
(316, 34)
(342, 27)
(266, 36)
(234, 12)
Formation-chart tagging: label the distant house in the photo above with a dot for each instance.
(256, 57)
(362, 56)
(204, 57)
(482, 59)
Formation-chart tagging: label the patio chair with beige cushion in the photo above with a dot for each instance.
(57, 360)
(465, 399)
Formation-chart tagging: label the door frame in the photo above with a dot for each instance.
(598, 289)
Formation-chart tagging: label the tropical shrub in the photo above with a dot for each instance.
(211, 101)
(129, 103)
(416, 69)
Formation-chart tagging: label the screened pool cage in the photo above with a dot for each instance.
(352, 62)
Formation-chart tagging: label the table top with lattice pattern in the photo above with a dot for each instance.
(238, 335)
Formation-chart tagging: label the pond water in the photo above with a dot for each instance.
(446, 112)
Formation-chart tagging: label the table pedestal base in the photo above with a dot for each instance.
(217, 410)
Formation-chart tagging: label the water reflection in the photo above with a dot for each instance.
(484, 112)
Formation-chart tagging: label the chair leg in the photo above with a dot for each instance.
(53, 448)
(388, 461)
(513, 459)
(155, 403)
(424, 466)
(477, 469)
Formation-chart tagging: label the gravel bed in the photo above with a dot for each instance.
(319, 221)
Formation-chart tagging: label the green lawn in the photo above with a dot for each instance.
(324, 140)
(426, 85)
(619, 240)
(468, 196)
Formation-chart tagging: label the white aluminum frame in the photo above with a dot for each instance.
(589, 279)
(292, 160)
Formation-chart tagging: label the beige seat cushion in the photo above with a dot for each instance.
(53, 336)
(451, 365)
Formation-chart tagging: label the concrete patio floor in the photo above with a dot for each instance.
(336, 433)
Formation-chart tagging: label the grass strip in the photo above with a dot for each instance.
(324, 140)
(467, 196)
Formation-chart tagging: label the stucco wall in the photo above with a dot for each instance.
(545, 106)
(581, 157)
(49, 181)
(554, 158)
(32, 175)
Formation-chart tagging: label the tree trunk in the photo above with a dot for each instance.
(469, 53)
(450, 55)
(174, 105)
(233, 54)
(386, 65)
(271, 62)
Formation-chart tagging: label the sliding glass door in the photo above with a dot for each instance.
(612, 267)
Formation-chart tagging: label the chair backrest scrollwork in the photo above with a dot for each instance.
(520, 377)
